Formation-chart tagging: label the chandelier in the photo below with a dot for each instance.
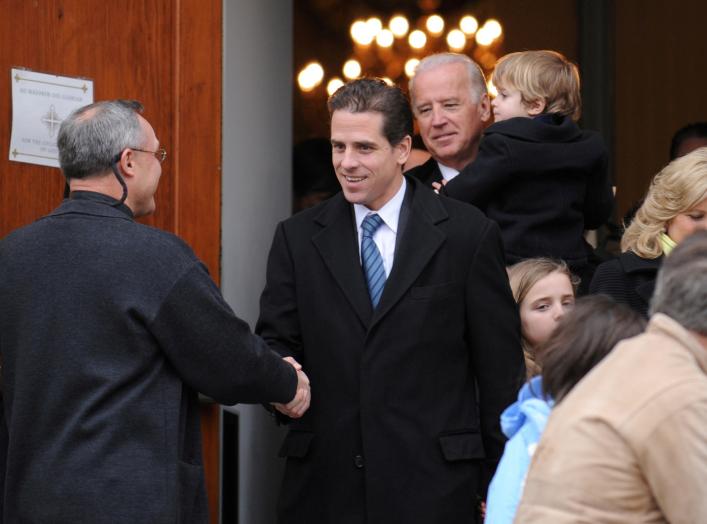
(392, 52)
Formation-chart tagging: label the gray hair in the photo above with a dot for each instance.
(93, 136)
(477, 81)
(681, 287)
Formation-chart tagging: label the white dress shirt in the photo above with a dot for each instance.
(447, 172)
(386, 234)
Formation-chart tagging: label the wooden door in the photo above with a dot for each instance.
(165, 53)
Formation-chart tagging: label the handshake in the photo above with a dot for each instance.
(296, 407)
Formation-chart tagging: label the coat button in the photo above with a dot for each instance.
(358, 461)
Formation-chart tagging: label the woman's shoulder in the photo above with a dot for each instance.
(628, 279)
(610, 278)
(626, 264)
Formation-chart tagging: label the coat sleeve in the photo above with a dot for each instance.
(674, 461)
(480, 182)
(278, 323)
(279, 320)
(493, 329)
(507, 484)
(213, 351)
(599, 197)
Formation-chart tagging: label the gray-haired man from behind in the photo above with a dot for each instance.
(451, 105)
(108, 329)
(628, 443)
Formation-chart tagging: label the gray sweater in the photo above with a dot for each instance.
(108, 329)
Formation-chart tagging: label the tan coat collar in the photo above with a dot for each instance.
(661, 323)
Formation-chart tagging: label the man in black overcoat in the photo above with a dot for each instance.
(108, 329)
(409, 334)
(451, 105)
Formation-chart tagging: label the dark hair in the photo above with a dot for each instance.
(694, 130)
(373, 94)
(681, 285)
(583, 337)
(91, 137)
(312, 170)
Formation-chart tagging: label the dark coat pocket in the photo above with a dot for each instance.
(192, 497)
(436, 291)
(296, 444)
(462, 446)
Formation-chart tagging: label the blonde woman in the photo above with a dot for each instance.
(674, 208)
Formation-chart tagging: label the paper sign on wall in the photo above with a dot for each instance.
(40, 102)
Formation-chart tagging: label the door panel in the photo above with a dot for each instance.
(164, 53)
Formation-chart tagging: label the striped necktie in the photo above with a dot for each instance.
(371, 258)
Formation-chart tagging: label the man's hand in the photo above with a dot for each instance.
(437, 186)
(296, 407)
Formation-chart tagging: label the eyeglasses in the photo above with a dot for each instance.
(160, 154)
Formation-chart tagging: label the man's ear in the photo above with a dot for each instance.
(127, 163)
(535, 107)
(485, 108)
(403, 149)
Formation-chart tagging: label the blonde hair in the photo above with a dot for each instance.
(677, 188)
(542, 75)
(523, 276)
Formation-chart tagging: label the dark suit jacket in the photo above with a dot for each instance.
(543, 183)
(628, 279)
(108, 328)
(426, 173)
(394, 434)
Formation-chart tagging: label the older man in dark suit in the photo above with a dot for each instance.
(108, 329)
(397, 304)
(451, 105)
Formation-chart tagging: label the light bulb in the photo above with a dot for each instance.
(399, 25)
(456, 40)
(469, 24)
(385, 38)
(352, 69)
(493, 27)
(410, 66)
(334, 84)
(360, 33)
(417, 39)
(435, 24)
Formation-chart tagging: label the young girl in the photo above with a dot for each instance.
(582, 338)
(544, 290)
(538, 175)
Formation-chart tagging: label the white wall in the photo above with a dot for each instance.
(257, 188)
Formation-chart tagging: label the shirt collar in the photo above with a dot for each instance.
(447, 172)
(667, 243)
(102, 198)
(390, 212)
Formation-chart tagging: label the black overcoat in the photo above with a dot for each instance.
(426, 173)
(543, 182)
(628, 279)
(108, 329)
(394, 434)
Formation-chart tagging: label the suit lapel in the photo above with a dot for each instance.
(426, 173)
(418, 242)
(436, 173)
(433, 173)
(337, 244)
